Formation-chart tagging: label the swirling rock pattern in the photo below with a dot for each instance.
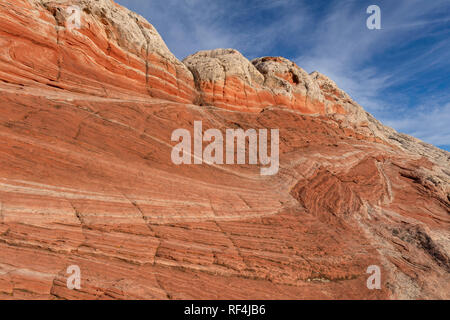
(86, 177)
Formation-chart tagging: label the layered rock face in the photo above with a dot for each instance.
(86, 176)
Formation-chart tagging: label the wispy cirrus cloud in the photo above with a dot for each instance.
(429, 123)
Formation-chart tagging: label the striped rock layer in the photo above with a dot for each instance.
(86, 176)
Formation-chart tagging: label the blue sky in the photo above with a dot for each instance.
(400, 74)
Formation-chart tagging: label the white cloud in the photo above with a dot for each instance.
(430, 125)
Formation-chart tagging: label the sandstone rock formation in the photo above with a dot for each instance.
(86, 177)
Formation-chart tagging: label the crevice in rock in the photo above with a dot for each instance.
(228, 236)
(147, 45)
(138, 208)
(77, 214)
(417, 236)
(83, 226)
(158, 281)
(245, 201)
(224, 82)
(2, 218)
(199, 97)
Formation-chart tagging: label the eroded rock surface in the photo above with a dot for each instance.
(86, 176)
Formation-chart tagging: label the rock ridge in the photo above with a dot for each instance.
(86, 176)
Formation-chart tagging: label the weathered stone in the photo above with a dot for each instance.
(86, 177)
